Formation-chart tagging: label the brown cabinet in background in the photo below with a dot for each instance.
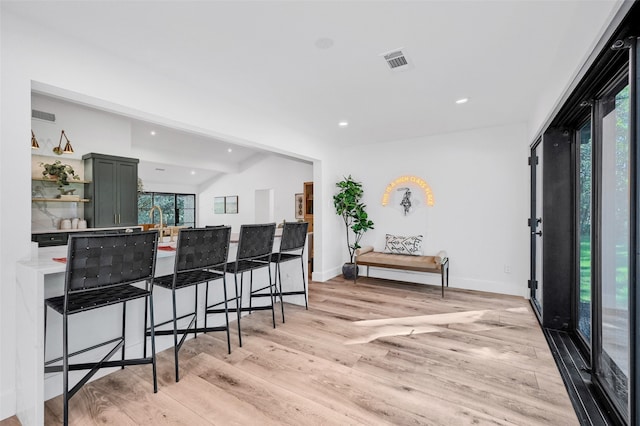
(308, 204)
(308, 217)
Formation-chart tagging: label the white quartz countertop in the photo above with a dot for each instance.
(43, 262)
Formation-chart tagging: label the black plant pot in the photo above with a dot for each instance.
(350, 271)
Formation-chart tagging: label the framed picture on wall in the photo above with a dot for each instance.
(231, 204)
(218, 205)
(299, 206)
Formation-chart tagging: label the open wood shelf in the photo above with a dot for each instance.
(62, 200)
(54, 181)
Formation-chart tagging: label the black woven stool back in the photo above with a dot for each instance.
(294, 235)
(95, 261)
(202, 248)
(256, 241)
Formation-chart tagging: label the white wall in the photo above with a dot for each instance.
(284, 176)
(89, 130)
(479, 180)
(177, 188)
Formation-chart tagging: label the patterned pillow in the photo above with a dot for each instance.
(397, 244)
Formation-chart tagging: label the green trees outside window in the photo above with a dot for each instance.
(177, 209)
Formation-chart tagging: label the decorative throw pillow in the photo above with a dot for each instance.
(397, 244)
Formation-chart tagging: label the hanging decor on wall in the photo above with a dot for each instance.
(225, 205)
(299, 206)
(408, 193)
(231, 204)
(218, 205)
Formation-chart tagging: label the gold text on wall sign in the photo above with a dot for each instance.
(408, 180)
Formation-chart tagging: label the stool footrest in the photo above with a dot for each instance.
(263, 288)
(219, 311)
(170, 322)
(264, 295)
(106, 364)
(291, 293)
(257, 308)
(96, 346)
(189, 330)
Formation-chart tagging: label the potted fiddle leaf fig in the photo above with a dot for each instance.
(348, 205)
(60, 172)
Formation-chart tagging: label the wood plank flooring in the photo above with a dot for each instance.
(376, 353)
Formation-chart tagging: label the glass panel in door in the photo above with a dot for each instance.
(585, 164)
(167, 202)
(613, 359)
(186, 209)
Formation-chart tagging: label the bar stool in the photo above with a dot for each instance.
(198, 252)
(101, 271)
(255, 245)
(292, 243)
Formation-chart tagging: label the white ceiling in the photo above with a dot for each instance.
(502, 55)
(170, 155)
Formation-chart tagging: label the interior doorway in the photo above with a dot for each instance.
(264, 206)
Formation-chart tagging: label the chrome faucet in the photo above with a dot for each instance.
(151, 216)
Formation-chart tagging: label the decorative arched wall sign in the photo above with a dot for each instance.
(408, 193)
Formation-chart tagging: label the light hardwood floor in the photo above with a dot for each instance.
(375, 353)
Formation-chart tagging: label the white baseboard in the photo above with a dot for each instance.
(7, 403)
(321, 276)
(508, 288)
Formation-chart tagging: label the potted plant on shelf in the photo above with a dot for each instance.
(348, 205)
(59, 172)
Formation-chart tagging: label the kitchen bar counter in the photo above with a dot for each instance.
(40, 277)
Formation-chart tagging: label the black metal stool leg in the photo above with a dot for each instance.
(279, 278)
(146, 311)
(195, 313)
(206, 304)
(226, 313)
(124, 329)
(238, 305)
(44, 352)
(65, 369)
(175, 335)
(153, 343)
(304, 285)
(272, 298)
(250, 291)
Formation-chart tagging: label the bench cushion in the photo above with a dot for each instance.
(400, 261)
(396, 244)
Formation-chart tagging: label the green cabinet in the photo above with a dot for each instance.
(113, 190)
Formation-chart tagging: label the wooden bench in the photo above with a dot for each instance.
(438, 264)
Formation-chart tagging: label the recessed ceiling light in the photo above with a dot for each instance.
(193, 172)
(462, 101)
(159, 169)
(324, 43)
(229, 150)
(153, 133)
(343, 124)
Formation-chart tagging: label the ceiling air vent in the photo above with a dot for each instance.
(396, 60)
(41, 115)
